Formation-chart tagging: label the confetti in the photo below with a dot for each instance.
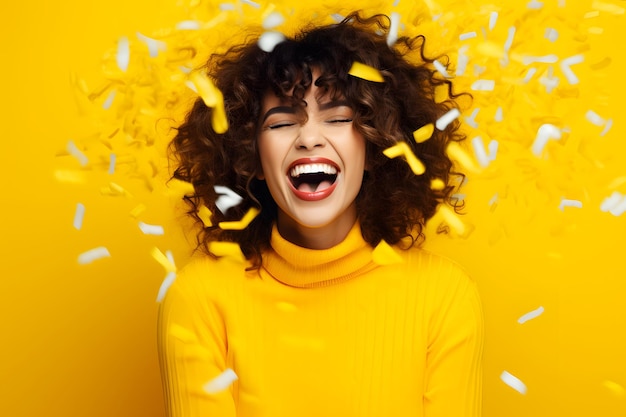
(114, 189)
(594, 118)
(221, 382)
(268, 40)
(424, 133)
(241, 224)
(383, 254)
(607, 127)
(462, 61)
(212, 97)
(205, 215)
(493, 149)
(441, 69)
(403, 149)
(137, 210)
(184, 335)
(272, 20)
(151, 229)
(188, 25)
(457, 153)
(567, 71)
(163, 260)
(165, 285)
(447, 118)
(467, 35)
(614, 204)
(551, 34)
(94, 254)
(79, 214)
(154, 46)
(76, 153)
(365, 72)
(69, 176)
(535, 5)
(437, 184)
(607, 7)
(470, 120)
(480, 152)
(392, 36)
(493, 18)
(615, 388)
(286, 307)
(251, 3)
(544, 59)
(483, 85)
(452, 219)
(109, 100)
(513, 382)
(569, 203)
(529, 75)
(531, 315)
(499, 115)
(227, 249)
(123, 53)
(228, 198)
(544, 134)
(112, 162)
(509, 39)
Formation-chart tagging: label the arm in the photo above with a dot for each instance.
(454, 356)
(192, 349)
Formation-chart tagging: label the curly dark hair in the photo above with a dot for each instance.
(393, 203)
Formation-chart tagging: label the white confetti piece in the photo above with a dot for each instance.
(272, 20)
(493, 149)
(462, 61)
(549, 81)
(493, 18)
(544, 59)
(123, 53)
(607, 127)
(154, 46)
(483, 85)
(164, 260)
(499, 114)
(79, 215)
(616, 208)
(76, 153)
(228, 198)
(565, 202)
(112, 162)
(529, 75)
(251, 3)
(594, 118)
(151, 229)
(509, 39)
(480, 152)
(544, 134)
(531, 315)
(109, 100)
(337, 17)
(93, 255)
(227, 6)
(467, 35)
(221, 382)
(551, 34)
(513, 382)
(394, 26)
(610, 202)
(567, 71)
(471, 119)
(534, 5)
(447, 118)
(441, 68)
(269, 40)
(165, 285)
(188, 25)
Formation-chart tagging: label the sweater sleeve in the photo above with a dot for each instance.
(453, 384)
(192, 349)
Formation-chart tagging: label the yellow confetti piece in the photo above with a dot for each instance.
(286, 307)
(205, 215)
(366, 72)
(437, 184)
(178, 188)
(241, 224)
(457, 153)
(163, 260)
(69, 176)
(114, 189)
(452, 219)
(213, 98)
(383, 254)
(615, 388)
(424, 133)
(403, 149)
(184, 335)
(136, 212)
(607, 7)
(227, 249)
(490, 50)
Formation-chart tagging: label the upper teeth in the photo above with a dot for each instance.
(312, 169)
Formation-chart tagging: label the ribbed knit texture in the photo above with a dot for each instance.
(323, 333)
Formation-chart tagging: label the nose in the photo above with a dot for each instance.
(310, 136)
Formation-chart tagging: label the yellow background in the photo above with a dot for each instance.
(80, 340)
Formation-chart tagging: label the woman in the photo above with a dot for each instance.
(335, 310)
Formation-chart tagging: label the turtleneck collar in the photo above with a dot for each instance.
(300, 267)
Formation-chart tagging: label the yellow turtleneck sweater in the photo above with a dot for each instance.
(323, 333)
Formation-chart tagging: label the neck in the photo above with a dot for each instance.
(323, 237)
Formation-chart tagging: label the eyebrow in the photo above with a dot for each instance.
(291, 110)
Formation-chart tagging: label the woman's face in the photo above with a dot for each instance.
(313, 161)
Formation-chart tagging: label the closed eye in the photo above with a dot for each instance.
(340, 121)
(279, 125)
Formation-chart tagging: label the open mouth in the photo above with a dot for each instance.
(312, 178)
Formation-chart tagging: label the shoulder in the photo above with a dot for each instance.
(435, 265)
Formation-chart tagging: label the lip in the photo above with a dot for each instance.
(317, 195)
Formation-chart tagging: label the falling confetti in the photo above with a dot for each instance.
(227, 199)
(403, 149)
(221, 382)
(384, 254)
(269, 40)
(424, 133)
(531, 315)
(513, 382)
(241, 224)
(151, 229)
(79, 216)
(447, 118)
(93, 255)
(365, 72)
